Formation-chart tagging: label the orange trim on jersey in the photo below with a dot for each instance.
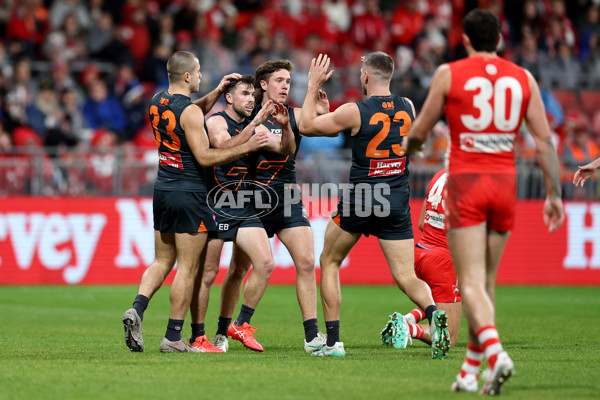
(202, 227)
(279, 168)
(243, 170)
(336, 219)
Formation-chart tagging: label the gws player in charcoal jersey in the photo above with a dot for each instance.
(235, 214)
(278, 172)
(486, 99)
(181, 215)
(433, 264)
(378, 203)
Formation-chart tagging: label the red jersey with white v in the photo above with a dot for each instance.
(434, 230)
(486, 103)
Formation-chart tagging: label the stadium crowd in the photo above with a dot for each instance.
(76, 77)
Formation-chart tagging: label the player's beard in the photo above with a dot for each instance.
(241, 111)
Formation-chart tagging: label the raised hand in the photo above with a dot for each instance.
(226, 81)
(264, 112)
(322, 103)
(280, 114)
(318, 75)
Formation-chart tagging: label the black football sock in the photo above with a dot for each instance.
(245, 315)
(429, 312)
(311, 328)
(140, 304)
(174, 328)
(333, 332)
(197, 331)
(223, 325)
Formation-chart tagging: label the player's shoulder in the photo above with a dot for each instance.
(217, 119)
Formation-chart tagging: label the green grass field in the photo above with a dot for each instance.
(67, 343)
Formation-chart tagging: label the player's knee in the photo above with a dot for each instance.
(306, 265)
(209, 276)
(329, 259)
(268, 266)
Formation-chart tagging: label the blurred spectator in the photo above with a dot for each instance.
(20, 95)
(42, 113)
(338, 13)
(165, 34)
(103, 110)
(101, 163)
(136, 36)
(563, 70)
(155, 67)
(407, 23)
(529, 57)
(130, 92)
(27, 27)
(72, 125)
(186, 15)
(368, 27)
(67, 42)
(589, 32)
(61, 8)
(560, 28)
(100, 36)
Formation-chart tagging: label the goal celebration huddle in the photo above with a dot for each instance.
(225, 178)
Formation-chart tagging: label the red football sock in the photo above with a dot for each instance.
(490, 342)
(416, 331)
(472, 361)
(417, 314)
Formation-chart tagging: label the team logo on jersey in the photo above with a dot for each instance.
(388, 105)
(163, 101)
(226, 201)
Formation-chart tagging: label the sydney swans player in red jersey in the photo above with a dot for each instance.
(486, 99)
(433, 264)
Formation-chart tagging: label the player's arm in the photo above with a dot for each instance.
(432, 110)
(192, 122)
(330, 124)
(207, 102)
(321, 108)
(286, 143)
(535, 116)
(422, 216)
(218, 131)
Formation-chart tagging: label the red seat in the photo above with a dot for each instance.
(590, 101)
(567, 99)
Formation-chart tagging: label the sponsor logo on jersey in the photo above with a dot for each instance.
(171, 160)
(388, 105)
(435, 219)
(387, 167)
(487, 142)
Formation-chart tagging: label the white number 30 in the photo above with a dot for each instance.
(481, 101)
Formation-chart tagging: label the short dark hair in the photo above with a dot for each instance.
(483, 28)
(245, 79)
(264, 72)
(180, 63)
(381, 64)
